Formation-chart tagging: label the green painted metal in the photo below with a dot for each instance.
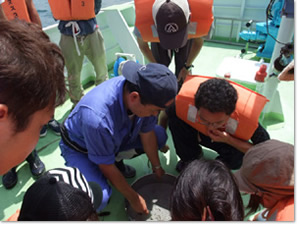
(279, 125)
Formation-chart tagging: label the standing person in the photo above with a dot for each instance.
(268, 174)
(117, 120)
(38, 64)
(173, 28)
(80, 36)
(209, 112)
(206, 190)
(25, 10)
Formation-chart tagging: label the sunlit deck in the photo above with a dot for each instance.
(206, 63)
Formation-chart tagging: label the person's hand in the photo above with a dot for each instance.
(218, 136)
(182, 74)
(139, 204)
(159, 172)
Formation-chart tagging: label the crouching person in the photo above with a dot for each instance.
(118, 118)
(206, 190)
(219, 115)
(32, 84)
(61, 194)
(267, 173)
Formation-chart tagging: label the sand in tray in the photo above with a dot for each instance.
(157, 197)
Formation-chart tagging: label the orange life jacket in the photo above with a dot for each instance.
(72, 9)
(201, 17)
(16, 9)
(242, 122)
(283, 211)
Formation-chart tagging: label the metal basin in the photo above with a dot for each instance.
(157, 193)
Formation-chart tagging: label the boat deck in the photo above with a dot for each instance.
(207, 63)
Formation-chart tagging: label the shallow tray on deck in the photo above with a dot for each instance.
(157, 193)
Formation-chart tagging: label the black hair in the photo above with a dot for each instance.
(206, 184)
(254, 203)
(216, 95)
(74, 204)
(130, 87)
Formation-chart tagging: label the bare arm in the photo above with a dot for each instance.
(149, 142)
(241, 145)
(195, 49)
(34, 16)
(144, 47)
(112, 173)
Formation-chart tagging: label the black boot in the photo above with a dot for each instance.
(10, 179)
(126, 170)
(37, 167)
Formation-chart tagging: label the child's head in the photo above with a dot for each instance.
(216, 95)
(267, 173)
(32, 83)
(206, 190)
(61, 194)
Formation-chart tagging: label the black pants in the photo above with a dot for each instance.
(164, 56)
(188, 146)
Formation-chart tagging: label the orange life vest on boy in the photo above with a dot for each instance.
(201, 18)
(72, 9)
(16, 9)
(242, 122)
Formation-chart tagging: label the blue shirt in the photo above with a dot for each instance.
(86, 26)
(100, 122)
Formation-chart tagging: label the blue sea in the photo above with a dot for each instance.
(45, 14)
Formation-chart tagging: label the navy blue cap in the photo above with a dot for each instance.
(171, 18)
(157, 84)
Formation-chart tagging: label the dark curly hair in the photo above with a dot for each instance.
(203, 184)
(216, 95)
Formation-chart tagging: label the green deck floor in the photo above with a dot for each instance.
(206, 63)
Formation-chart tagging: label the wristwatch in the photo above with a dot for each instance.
(189, 68)
(156, 167)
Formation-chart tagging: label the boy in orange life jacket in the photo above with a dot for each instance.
(267, 173)
(215, 101)
(168, 26)
(172, 27)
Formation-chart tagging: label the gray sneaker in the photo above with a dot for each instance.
(55, 126)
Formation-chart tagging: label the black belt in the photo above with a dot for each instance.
(68, 141)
